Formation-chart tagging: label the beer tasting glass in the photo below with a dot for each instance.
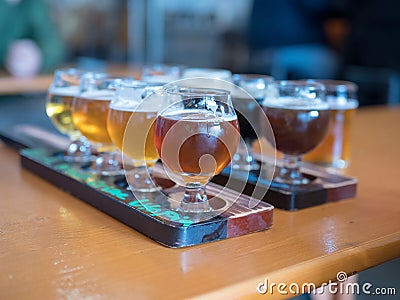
(161, 73)
(130, 125)
(63, 89)
(246, 109)
(89, 113)
(196, 138)
(334, 151)
(299, 116)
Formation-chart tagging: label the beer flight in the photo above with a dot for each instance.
(198, 130)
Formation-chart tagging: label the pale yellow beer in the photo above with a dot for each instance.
(89, 113)
(139, 126)
(59, 110)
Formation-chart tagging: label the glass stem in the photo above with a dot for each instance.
(195, 198)
(290, 171)
(140, 179)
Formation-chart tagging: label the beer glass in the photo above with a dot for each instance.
(256, 86)
(334, 151)
(130, 125)
(196, 138)
(299, 116)
(161, 73)
(63, 89)
(89, 113)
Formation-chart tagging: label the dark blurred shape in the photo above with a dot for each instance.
(371, 55)
(374, 38)
(287, 39)
(29, 40)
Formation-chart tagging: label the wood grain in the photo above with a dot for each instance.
(53, 245)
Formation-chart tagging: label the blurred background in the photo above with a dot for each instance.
(353, 40)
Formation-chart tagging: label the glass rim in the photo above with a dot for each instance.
(127, 83)
(102, 81)
(336, 85)
(196, 91)
(252, 76)
(299, 83)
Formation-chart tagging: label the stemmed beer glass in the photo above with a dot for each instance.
(299, 116)
(130, 125)
(196, 138)
(89, 112)
(334, 151)
(246, 106)
(63, 89)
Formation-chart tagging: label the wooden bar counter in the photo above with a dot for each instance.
(54, 246)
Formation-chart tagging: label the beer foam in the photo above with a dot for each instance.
(64, 91)
(295, 103)
(153, 103)
(195, 115)
(125, 105)
(98, 95)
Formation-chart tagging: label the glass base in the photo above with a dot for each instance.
(288, 178)
(79, 151)
(140, 180)
(337, 164)
(243, 159)
(245, 164)
(106, 165)
(290, 173)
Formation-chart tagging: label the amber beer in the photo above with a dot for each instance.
(137, 124)
(196, 144)
(59, 109)
(90, 111)
(335, 148)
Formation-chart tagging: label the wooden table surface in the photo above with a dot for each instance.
(53, 245)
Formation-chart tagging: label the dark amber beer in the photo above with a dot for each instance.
(297, 129)
(299, 117)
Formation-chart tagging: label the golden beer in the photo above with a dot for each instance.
(59, 110)
(334, 151)
(139, 126)
(90, 111)
(335, 148)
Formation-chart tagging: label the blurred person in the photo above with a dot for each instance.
(288, 37)
(29, 41)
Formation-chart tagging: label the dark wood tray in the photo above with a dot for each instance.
(152, 214)
(325, 186)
